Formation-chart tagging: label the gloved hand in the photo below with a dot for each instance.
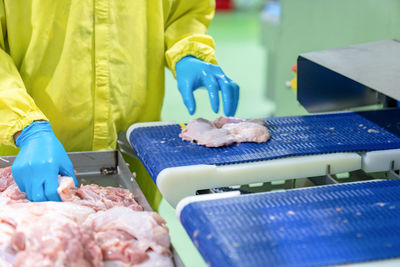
(41, 158)
(192, 73)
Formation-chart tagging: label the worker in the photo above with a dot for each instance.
(73, 74)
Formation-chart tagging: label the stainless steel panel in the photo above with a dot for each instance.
(350, 76)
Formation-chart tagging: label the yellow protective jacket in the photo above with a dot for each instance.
(93, 67)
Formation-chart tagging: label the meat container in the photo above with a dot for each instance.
(104, 168)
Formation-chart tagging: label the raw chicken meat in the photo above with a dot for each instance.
(203, 132)
(126, 235)
(225, 131)
(72, 233)
(221, 121)
(155, 260)
(6, 178)
(8, 187)
(96, 197)
(46, 234)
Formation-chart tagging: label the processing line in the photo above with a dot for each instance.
(334, 223)
(302, 146)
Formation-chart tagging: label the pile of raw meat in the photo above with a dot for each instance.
(93, 226)
(225, 131)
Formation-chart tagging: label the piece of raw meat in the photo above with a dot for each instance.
(126, 235)
(96, 197)
(225, 131)
(6, 178)
(93, 196)
(204, 132)
(221, 121)
(155, 260)
(8, 187)
(47, 234)
(59, 233)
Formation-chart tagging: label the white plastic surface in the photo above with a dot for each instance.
(382, 263)
(379, 161)
(179, 182)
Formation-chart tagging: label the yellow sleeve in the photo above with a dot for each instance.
(17, 108)
(185, 31)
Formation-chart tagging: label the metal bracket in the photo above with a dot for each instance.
(4, 160)
(109, 170)
(124, 145)
(393, 174)
(324, 180)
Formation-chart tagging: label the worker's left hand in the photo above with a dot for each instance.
(41, 158)
(193, 73)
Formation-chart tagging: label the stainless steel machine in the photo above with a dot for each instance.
(351, 76)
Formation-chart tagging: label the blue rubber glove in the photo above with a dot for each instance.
(41, 158)
(193, 73)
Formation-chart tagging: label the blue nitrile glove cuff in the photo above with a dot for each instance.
(193, 73)
(41, 158)
(32, 131)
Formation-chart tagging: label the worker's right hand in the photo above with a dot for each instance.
(41, 158)
(193, 73)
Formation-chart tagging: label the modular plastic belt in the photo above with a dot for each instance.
(318, 226)
(159, 147)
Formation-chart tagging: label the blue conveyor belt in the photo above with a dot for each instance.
(159, 147)
(318, 226)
